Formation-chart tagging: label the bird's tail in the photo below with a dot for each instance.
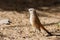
(46, 30)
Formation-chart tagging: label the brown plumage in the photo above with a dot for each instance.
(35, 22)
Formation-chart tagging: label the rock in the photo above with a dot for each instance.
(5, 21)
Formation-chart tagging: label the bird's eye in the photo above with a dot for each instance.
(30, 10)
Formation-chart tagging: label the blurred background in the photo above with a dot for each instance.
(19, 5)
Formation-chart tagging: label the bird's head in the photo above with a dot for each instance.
(31, 10)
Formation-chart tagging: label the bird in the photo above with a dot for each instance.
(35, 22)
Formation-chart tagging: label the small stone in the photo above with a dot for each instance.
(24, 37)
(59, 24)
(5, 38)
(1, 28)
(5, 21)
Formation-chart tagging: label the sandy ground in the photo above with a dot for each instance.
(20, 28)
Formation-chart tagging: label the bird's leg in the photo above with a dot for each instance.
(34, 29)
(38, 30)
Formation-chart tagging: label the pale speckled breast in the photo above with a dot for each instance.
(34, 20)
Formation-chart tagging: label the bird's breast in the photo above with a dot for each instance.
(32, 19)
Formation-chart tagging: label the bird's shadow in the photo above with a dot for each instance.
(53, 33)
(51, 24)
